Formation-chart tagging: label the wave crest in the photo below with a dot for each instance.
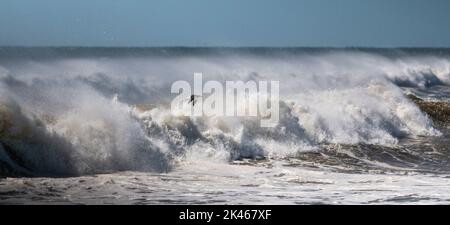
(57, 117)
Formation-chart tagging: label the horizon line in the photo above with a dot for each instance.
(219, 46)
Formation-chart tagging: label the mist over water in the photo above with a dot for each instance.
(71, 112)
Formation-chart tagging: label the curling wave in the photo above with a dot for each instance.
(72, 113)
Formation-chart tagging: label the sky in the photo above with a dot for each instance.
(275, 23)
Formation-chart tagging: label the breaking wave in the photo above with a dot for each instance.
(73, 114)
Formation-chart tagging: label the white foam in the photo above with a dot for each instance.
(325, 98)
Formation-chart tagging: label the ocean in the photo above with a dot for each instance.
(93, 126)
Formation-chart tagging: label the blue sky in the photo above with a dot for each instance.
(311, 23)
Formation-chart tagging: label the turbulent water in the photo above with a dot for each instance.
(94, 126)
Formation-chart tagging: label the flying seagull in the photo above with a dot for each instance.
(193, 99)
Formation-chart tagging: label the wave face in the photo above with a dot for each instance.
(85, 110)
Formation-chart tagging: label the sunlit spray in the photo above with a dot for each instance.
(237, 98)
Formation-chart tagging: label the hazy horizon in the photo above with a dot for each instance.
(231, 47)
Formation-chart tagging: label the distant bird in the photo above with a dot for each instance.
(193, 99)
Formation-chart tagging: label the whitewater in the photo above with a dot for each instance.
(94, 126)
